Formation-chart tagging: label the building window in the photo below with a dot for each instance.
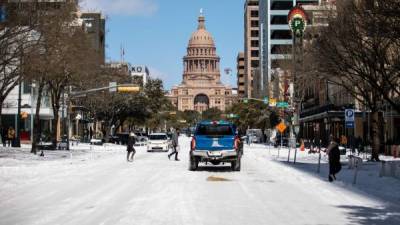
(279, 20)
(227, 93)
(254, 13)
(218, 92)
(26, 89)
(175, 92)
(185, 92)
(254, 23)
(254, 53)
(254, 63)
(217, 101)
(254, 33)
(254, 43)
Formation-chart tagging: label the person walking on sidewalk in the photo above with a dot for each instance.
(3, 132)
(10, 136)
(175, 144)
(129, 148)
(334, 159)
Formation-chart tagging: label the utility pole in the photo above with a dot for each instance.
(18, 118)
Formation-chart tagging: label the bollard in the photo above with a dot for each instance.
(319, 161)
(295, 155)
(381, 173)
(288, 157)
(355, 172)
(357, 164)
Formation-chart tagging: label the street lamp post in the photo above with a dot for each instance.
(18, 118)
(33, 85)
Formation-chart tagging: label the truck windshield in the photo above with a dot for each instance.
(158, 137)
(214, 130)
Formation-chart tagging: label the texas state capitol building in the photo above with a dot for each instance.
(201, 87)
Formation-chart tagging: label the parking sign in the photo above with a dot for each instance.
(349, 118)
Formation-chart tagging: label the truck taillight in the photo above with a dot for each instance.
(193, 144)
(237, 143)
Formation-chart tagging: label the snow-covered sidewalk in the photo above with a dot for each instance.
(368, 179)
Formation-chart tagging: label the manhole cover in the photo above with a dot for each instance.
(214, 179)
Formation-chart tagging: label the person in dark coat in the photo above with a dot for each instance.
(175, 144)
(129, 148)
(3, 132)
(334, 159)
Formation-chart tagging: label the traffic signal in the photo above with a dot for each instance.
(128, 89)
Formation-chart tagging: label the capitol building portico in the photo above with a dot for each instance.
(201, 87)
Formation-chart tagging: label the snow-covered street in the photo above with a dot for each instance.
(98, 187)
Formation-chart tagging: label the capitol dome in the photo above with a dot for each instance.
(201, 37)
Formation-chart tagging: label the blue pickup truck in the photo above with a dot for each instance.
(215, 142)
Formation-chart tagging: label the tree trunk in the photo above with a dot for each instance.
(375, 135)
(36, 127)
(1, 111)
(55, 127)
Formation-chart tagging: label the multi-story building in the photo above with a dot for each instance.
(95, 26)
(251, 44)
(140, 74)
(28, 90)
(240, 74)
(201, 87)
(276, 40)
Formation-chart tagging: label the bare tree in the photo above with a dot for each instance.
(62, 58)
(17, 37)
(354, 53)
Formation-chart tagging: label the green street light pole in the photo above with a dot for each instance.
(18, 118)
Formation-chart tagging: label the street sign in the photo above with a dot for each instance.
(349, 124)
(266, 100)
(297, 20)
(281, 127)
(349, 118)
(272, 102)
(113, 86)
(282, 105)
(233, 115)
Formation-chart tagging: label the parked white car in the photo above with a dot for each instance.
(158, 142)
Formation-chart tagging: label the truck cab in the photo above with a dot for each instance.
(215, 142)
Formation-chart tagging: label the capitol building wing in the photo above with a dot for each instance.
(201, 87)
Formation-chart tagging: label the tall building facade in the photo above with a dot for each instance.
(201, 87)
(251, 44)
(95, 25)
(240, 74)
(276, 41)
